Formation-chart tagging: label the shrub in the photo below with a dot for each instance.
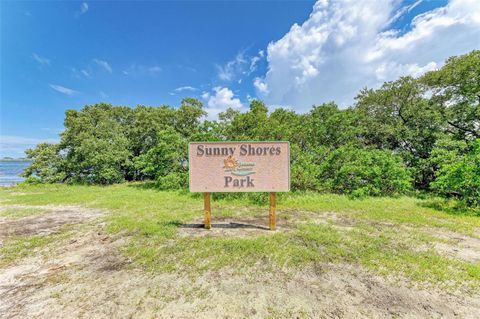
(166, 161)
(173, 181)
(304, 168)
(461, 178)
(362, 172)
(47, 164)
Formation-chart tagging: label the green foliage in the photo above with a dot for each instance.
(398, 117)
(103, 144)
(456, 94)
(166, 161)
(305, 168)
(461, 177)
(47, 164)
(394, 237)
(361, 172)
(95, 144)
(408, 127)
(327, 126)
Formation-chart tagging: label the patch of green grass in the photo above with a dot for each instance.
(390, 251)
(399, 211)
(390, 236)
(15, 213)
(206, 253)
(19, 247)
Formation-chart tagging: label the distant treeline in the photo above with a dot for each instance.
(13, 159)
(410, 134)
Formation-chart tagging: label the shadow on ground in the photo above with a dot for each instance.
(450, 207)
(226, 226)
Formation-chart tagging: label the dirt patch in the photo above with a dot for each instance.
(226, 227)
(28, 287)
(87, 277)
(458, 246)
(256, 225)
(44, 224)
(232, 227)
(338, 221)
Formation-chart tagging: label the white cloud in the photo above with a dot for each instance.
(346, 45)
(399, 13)
(81, 73)
(62, 89)
(41, 60)
(136, 70)
(221, 99)
(154, 69)
(15, 146)
(83, 8)
(241, 66)
(232, 68)
(261, 86)
(185, 88)
(15, 140)
(104, 65)
(254, 61)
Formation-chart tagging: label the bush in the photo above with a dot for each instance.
(47, 165)
(173, 181)
(304, 168)
(166, 161)
(364, 172)
(461, 178)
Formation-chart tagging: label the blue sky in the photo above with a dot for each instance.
(62, 55)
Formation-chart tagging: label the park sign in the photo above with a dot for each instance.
(239, 167)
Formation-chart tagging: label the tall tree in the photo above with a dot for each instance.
(455, 90)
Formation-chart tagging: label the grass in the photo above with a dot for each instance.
(389, 236)
(18, 247)
(15, 213)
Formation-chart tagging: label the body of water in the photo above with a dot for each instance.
(10, 172)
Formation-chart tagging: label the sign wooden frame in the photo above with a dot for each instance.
(263, 166)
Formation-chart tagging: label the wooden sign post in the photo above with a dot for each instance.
(239, 167)
(208, 211)
(273, 218)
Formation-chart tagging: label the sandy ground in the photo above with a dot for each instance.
(87, 277)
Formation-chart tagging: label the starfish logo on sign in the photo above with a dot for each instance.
(237, 168)
(230, 162)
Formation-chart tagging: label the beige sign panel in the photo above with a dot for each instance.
(239, 166)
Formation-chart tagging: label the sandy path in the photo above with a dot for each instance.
(87, 277)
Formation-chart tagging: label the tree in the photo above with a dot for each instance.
(166, 162)
(362, 171)
(426, 128)
(188, 117)
(305, 167)
(47, 164)
(327, 126)
(455, 90)
(251, 125)
(145, 123)
(398, 117)
(95, 144)
(461, 177)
